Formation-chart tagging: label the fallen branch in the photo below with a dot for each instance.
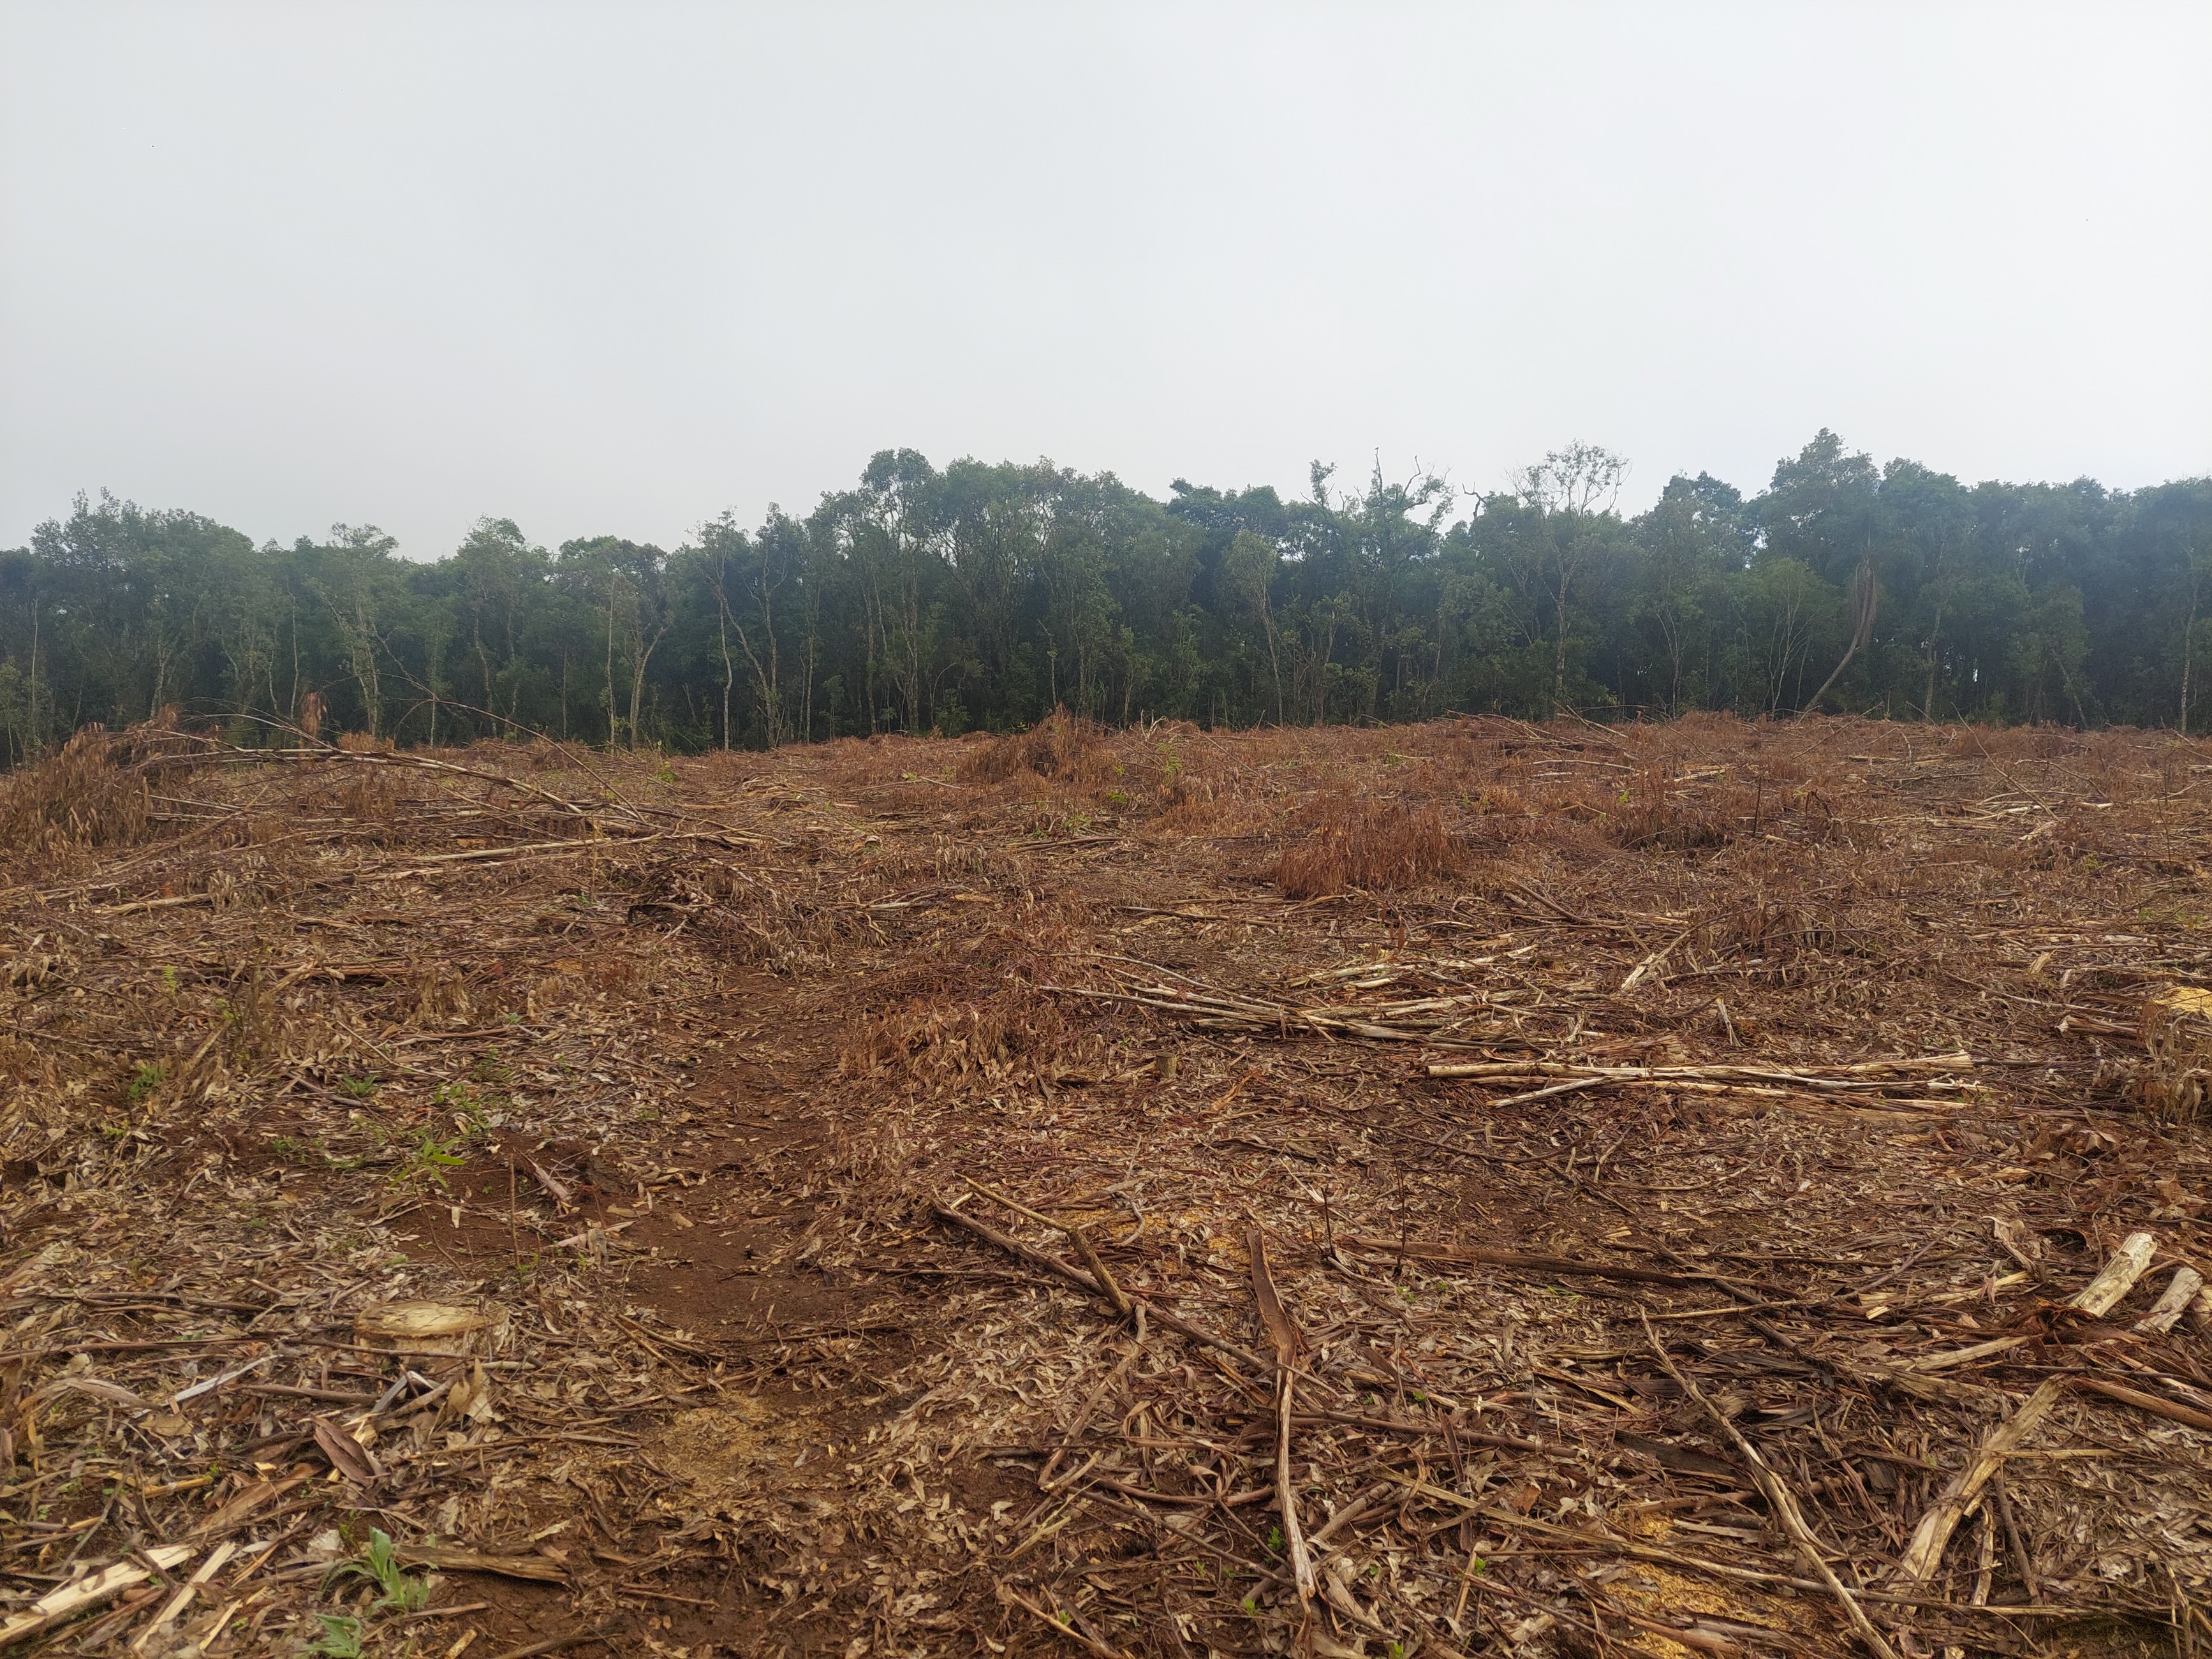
(1420, 1019)
(1081, 1638)
(2096, 1298)
(2129, 1263)
(1512, 1520)
(217, 1557)
(448, 1558)
(1082, 1280)
(1289, 1348)
(1076, 1236)
(1781, 1501)
(90, 1591)
(1483, 1256)
(1854, 1080)
(1918, 1563)
(2180, 1292)
(2172, 1412)
(574, 1638)
(1643, 969)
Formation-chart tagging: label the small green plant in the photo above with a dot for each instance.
(143, 1081)
(378, 1565)
(491, 1069)
(168, 978)
(360, 1088)
(470, 1110)
(1116, 799)
(341, 1637)
(1274, 1540)
(429, 1161)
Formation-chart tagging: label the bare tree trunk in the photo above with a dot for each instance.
(2188, 652)
(1560, 656)
(729, 679)
(644, 656)
(1275, 657)
(1935, 651)
(1864, 597)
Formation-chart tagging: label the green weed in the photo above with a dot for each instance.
(429, 1160)
(341, 1637)
(397, 1591)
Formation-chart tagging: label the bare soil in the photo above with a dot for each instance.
(1602, 1109)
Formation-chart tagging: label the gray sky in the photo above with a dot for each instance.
(618, 267)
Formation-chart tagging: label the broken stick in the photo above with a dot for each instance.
(1080, 1239)
(2096, 1298)
(1082, 1280)
(1289, 1344)
(2147, 1402)
(1917, 1564)
(1782, 1502)
(2129, 1263)
(2182, 1291)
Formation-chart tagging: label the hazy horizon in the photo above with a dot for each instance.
(600, 270)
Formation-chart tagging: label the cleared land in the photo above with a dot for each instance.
(1649, 1190)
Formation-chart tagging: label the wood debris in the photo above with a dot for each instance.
(867, 1195)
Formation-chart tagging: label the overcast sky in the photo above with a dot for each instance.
(615, 268)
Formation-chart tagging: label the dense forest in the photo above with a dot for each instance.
(985, 595)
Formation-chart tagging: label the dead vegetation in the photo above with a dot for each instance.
(1696, 1189)
(1372, 846)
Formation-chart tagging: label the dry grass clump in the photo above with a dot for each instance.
(1371, 845)
(2177, 1029)
(369, 796)
(1065, 747)
(82, 797)
(1655, 810)
(1771, 930)
(2012, 743)
(97, 791)
(936, 1039)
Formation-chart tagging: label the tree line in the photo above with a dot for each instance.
(983, 595)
